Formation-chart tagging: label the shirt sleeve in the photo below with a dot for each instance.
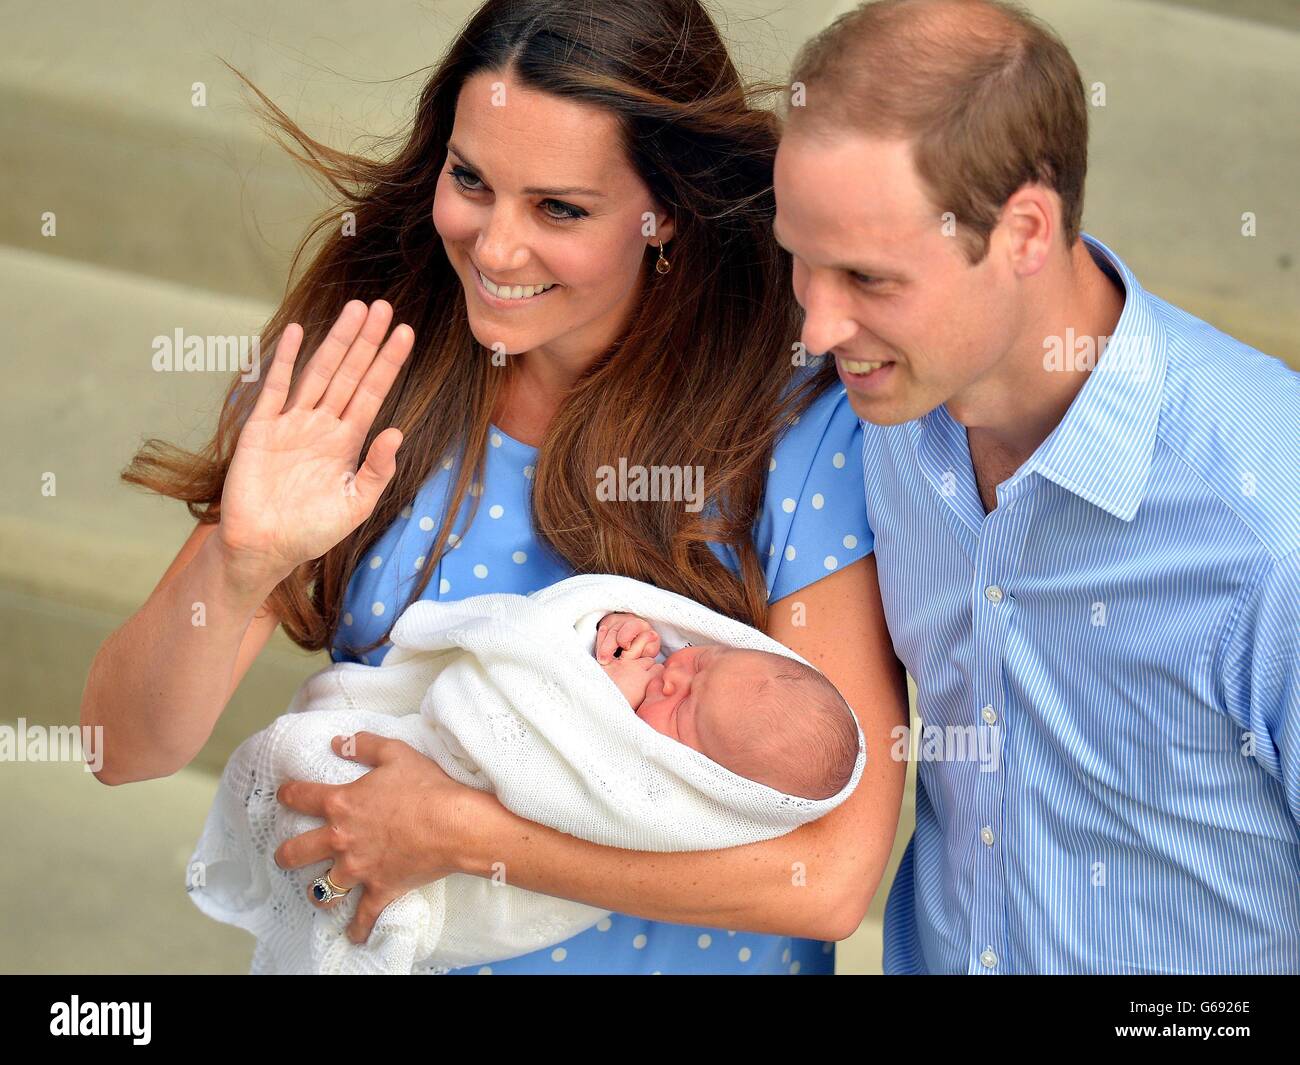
(1260, 675)
(814, 515)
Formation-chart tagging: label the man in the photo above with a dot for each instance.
(1086, 508)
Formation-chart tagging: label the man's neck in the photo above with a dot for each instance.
(1015, 413)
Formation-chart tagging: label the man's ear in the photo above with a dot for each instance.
(1030, 218)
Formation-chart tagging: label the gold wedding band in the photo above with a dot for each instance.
(323, 889)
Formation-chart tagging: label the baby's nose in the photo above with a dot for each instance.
(674, 675)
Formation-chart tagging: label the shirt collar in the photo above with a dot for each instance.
(1101, 449)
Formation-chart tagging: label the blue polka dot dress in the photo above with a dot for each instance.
(813, 521)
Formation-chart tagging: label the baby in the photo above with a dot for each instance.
(763, 716)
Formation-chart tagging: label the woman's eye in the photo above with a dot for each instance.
(563, 212)
(864, 279)
(464, 177)
(555, 210)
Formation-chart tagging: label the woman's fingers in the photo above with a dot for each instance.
(379, 377)
(318, 845)
(378, 469)
(368, 911)
(340, 880)
(314, 846)
(357, 361)
(270, 401)
(319, 372)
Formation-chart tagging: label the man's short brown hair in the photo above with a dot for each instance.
(989, 96)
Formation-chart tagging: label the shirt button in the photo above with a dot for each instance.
(986, 834)
(993, 593)
(988, 959)
(989, 715)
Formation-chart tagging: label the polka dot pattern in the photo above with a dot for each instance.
(814, 520)
(814, 514)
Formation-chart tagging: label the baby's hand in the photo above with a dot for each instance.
(632, 677)
(633, 634)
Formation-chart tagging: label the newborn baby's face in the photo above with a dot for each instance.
(687, 694)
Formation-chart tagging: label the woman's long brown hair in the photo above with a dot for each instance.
(701, 376)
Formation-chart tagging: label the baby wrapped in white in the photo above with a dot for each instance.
(503, 692)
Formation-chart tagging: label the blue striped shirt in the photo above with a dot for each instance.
(1108, 668)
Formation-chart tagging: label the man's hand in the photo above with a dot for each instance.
(632, 634)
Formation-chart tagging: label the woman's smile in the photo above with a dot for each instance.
(512, 296)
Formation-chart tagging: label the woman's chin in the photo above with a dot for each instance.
(496, 340)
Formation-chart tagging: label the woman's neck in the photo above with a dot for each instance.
(526, 408)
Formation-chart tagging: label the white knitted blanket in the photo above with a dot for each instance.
(503, 692)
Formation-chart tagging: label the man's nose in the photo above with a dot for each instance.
(826, 322)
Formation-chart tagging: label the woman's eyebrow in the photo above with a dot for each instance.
(534, 190)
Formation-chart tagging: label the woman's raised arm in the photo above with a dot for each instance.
(293, 490)
(814, 882)
(159, 682)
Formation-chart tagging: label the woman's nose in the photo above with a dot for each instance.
(498, 247)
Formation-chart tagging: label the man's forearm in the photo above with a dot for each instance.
(784, 886)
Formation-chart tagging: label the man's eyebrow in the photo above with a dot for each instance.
(534, 190)
(853, 268)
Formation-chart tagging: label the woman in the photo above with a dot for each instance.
(576, 238)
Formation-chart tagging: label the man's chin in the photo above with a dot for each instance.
(882, 412)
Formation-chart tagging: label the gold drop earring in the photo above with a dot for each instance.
(662, 265)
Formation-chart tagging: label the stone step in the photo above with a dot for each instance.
(81, 395)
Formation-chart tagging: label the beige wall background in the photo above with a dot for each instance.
(169, 216)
